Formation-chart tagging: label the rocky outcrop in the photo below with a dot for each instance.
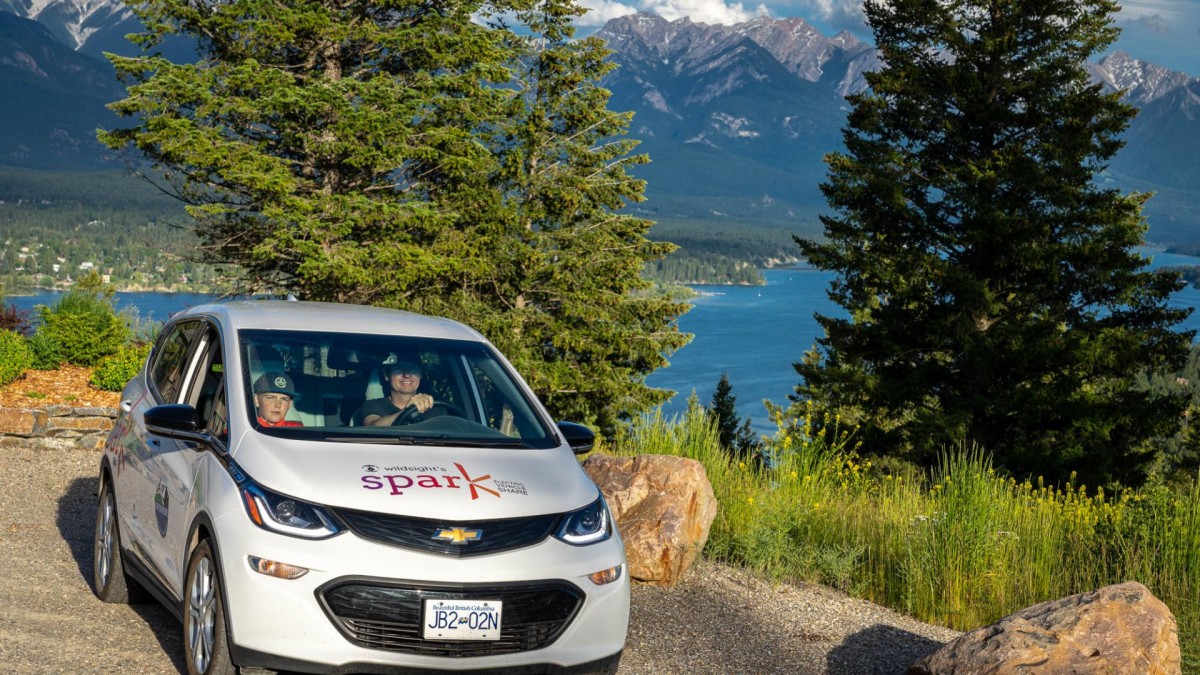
(664, 507)
(1118, 630)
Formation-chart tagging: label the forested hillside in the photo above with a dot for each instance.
(59, 225)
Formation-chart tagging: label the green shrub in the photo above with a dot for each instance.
(85, 324)
(15, 357)
(114, 371)
(47, 353)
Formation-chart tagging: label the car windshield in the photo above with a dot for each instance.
(385, 389)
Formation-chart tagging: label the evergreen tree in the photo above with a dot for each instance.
(723, 410)
(554, 274)
(403, 154)
(991, 286)
(736, 435)
(309, 138)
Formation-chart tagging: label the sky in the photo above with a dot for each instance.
(1164, 32)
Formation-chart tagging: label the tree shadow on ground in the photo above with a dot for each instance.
(902, 647)
(76, 518)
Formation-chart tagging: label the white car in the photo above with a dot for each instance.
(248, 486)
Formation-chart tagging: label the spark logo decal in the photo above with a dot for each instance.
(410, 478)
(162, 507)
(474, 483)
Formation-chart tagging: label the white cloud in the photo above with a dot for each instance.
(1160, 15)
(601, 11)
(847, 14)
(1154, 23)
(703, 11)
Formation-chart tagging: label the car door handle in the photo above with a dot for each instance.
(126, 406)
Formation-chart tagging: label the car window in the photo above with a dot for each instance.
(169, 368)
(207, 389)
(336, 382)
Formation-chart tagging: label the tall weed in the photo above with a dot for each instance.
(960, 546)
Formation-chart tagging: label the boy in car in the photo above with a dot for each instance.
(273, 396)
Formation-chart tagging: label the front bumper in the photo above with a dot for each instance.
(358, 609)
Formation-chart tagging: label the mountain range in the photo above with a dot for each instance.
(736, 119)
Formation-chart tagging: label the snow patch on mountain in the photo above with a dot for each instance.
(73, 21)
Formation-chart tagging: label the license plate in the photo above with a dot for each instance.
(461, 620)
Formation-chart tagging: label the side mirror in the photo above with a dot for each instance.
(178, 421)
(580, 438)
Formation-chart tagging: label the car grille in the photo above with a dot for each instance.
(417, 533)
(389, 618)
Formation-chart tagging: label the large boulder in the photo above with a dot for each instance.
(1118, 630)
(664, 507)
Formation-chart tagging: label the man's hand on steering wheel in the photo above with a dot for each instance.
(422, 402)
(412, 414)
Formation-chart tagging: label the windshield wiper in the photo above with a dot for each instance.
(436, 441)
(394, 440)
(494, 443)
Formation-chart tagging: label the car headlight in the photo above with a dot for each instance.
(588, 525)
(285, 515)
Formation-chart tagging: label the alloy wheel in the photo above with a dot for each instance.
(202, 612)
(105, 544)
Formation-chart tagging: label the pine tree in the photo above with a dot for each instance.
(724, 411)
(558, 283)
(992, 289)
(403, 154)
(295, 138)
(736, 434)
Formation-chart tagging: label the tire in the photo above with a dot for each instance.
(109, 580)
(205, 642)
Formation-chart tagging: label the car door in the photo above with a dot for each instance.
(141, 478)
(176, 465)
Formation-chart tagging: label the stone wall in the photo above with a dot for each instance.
(56, 426)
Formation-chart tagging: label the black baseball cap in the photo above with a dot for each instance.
(275, 383)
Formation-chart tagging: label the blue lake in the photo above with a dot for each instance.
(754, 333)
(150, 306)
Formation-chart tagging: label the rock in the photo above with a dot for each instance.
(664, 507)
(1119, 630)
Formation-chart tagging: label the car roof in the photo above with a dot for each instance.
(330, 317)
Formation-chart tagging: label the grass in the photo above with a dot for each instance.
(961, 546)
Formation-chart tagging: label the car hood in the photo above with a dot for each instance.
(425, 482)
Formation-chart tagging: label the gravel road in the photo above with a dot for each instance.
(719, 620)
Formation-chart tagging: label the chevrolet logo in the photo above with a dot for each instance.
(458, 536)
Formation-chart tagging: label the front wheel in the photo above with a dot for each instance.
(108, 570)
(205, 645)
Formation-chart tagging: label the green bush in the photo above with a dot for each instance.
(114, 371)
(15, 357)
(85, 324)
(47, 353)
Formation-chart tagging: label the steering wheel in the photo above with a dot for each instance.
(410, 413)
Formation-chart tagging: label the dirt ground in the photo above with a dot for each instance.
(50, 622)
(66, 386)
(719, 620)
